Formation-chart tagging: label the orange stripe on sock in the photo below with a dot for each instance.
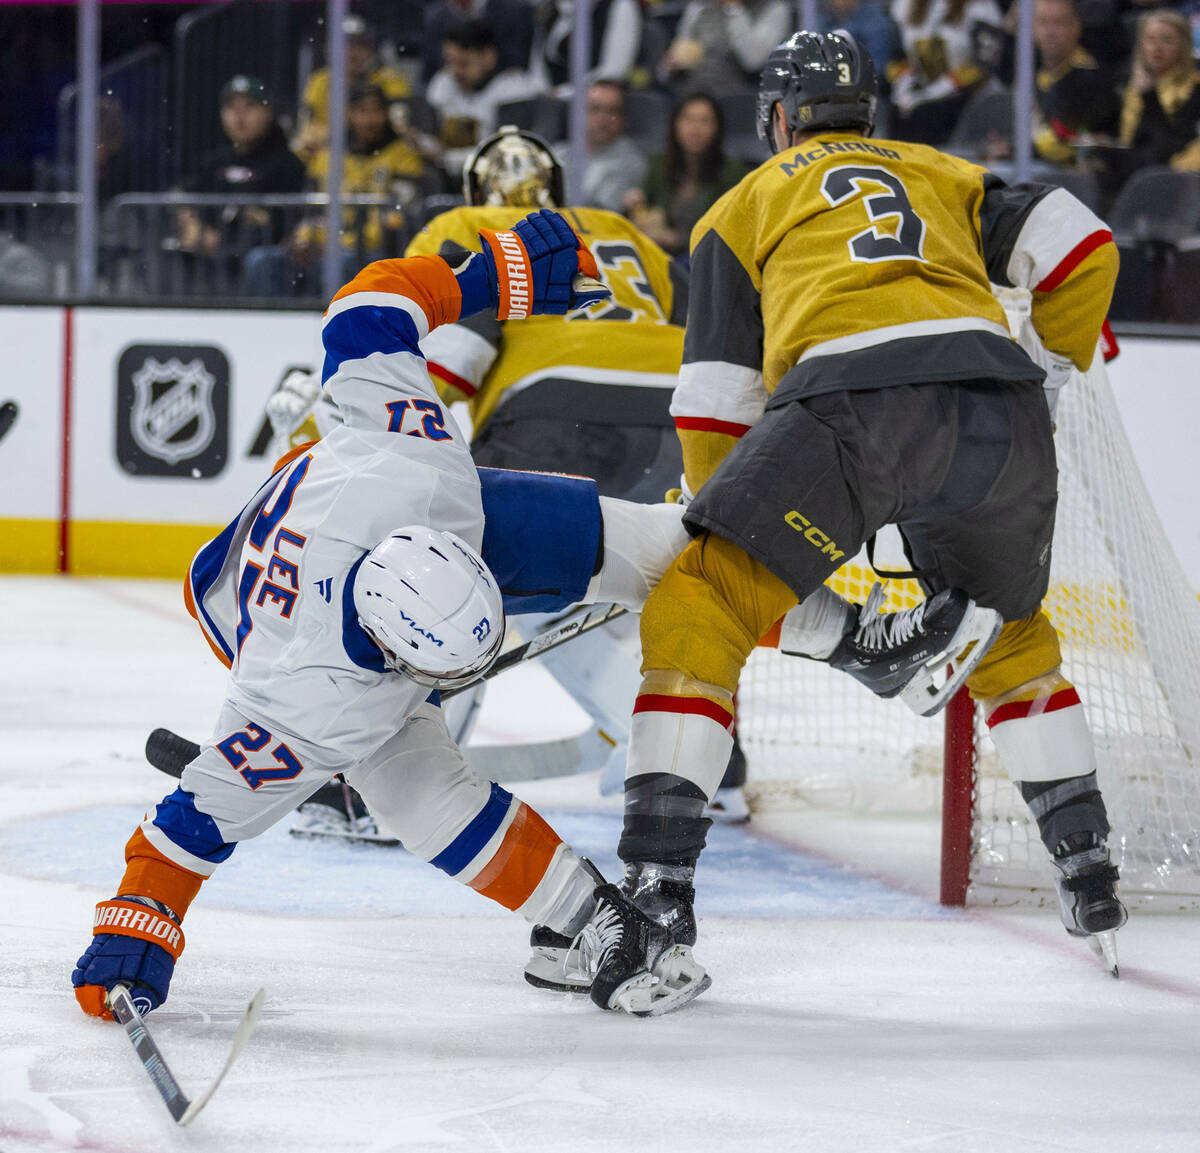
(149, 874)
(521, 861)
(425, 280)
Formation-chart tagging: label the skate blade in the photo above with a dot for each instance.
(928, 692)
(675, 980)
(1104, 945)
(544, 970)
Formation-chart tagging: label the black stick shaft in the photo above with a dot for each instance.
(125, 1011)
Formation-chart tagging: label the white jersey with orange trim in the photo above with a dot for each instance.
(308, 694)
(273, 593)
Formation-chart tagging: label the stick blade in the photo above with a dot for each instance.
(169, 752)
(244, 1029)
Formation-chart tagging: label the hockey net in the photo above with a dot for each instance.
(1130, 629)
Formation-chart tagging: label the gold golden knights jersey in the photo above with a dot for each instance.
(851, 263)
(567, 367)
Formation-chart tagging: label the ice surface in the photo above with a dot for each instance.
(848, 1011)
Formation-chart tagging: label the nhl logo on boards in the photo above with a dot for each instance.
(172, 410)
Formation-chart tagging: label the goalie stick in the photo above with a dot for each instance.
(178, 1105)
(170, 753)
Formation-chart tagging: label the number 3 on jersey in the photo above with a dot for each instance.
(896, 231)
(621, 268)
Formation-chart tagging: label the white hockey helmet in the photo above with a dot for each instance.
(513, 168)
(431, 605)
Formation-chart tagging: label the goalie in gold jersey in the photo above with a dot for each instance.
(847, 366)
(590, 396)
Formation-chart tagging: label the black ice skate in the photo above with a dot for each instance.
(917, 654)
(663, 892)
(554, 962)
(636, 966)
(336, 812)
(1087, 894)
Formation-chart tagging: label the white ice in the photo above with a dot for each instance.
(848, 1011)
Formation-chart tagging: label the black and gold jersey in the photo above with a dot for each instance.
(851, 263)
(594, 365)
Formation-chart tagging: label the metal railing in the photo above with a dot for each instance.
(261, 248)
(37, 245)
(131, 246)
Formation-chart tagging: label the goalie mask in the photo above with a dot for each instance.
(514, 169)
(431, 605)
(820, 80)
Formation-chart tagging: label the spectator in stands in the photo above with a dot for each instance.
(615, 164)
(615, 41)
(255, 160)
(724, 44)
(469, 89)
(945, 45)
(685, 180)
(362, 68)
(1076, 98)
(1161, 111)
(114, 160)
(514, 16)
(376, 161)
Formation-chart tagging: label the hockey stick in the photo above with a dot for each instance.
(180, 1108)
(8, 414)
(170, 753)
(566, 628)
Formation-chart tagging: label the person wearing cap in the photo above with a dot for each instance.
(254, 160)
(377, 161)
(362, 68)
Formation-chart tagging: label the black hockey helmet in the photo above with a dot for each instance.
(821, 80)
(513, 168)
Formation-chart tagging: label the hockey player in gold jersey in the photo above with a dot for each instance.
(589, 395)
(847, 366)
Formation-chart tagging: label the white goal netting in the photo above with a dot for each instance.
(1130, 625)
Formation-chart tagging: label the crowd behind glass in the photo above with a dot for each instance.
(210, 146)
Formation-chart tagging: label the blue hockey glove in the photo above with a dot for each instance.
(134, 945)
(539, 266)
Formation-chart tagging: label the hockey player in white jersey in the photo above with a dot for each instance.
(342, 596)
